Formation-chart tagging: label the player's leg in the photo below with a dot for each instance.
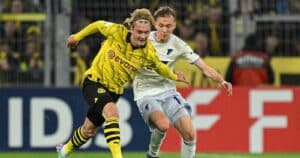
(80, 136)
(112, 129)
(104, 109)
(158, 123)
(185, 127)
(178, 112)
(161, 124)
(92, 121)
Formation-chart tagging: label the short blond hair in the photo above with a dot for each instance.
(142, 15)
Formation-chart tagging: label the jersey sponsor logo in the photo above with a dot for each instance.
(122, 62)
(111, 54)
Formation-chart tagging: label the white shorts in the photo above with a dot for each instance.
(171, 103)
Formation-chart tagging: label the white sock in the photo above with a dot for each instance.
(156, 140)
(188, 149)
(63, 151)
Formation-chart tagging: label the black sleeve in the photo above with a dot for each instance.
(229, 73)
(270, 74)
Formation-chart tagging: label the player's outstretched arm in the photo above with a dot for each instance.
(213, 74)
(227, 86)
(181, 77)
(88, 30)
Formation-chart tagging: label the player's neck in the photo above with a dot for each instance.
(161, 40)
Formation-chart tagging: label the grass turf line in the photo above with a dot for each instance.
(142, 155)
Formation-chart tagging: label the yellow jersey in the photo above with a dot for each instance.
(117, 61)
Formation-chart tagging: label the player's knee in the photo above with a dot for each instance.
(90, 132)
(160, 121)
(163, 126)
(110, 110)
(189, 135)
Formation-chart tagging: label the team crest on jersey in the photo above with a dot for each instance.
(169, 51)
(111, 54)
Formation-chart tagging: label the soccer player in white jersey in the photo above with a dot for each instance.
(158, 101)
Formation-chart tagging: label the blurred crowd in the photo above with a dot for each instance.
(278, 37)
(203, 24)
(21, 42)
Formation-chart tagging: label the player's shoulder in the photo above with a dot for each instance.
(119, 31)
(149, 50)
(178, 43)
(177, 40)
(152, 36)
(119, 27)
(149, 47)
(109, 24)
(105, 24)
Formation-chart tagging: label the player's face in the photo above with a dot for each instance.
(139, 34)
(164, 27)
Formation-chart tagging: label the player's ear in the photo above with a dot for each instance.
(131, 27)
(155, 24)
(174, 25)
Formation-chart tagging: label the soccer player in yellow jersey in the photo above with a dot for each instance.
(124, 52)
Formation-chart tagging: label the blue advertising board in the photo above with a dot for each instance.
(41, 118)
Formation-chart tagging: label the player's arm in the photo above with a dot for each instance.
(99, 26)
(164, 70)
(213, 74)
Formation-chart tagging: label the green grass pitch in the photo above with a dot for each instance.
(142, 155)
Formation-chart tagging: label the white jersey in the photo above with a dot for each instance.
(148, 82)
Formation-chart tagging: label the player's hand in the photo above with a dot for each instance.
(181, 77)
(228, 87)
(71, 42)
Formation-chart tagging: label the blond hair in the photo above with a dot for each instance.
(142, 15)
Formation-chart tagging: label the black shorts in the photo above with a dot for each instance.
(97, 96)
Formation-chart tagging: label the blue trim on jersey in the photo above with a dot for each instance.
(178, 101)
(195, 60)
